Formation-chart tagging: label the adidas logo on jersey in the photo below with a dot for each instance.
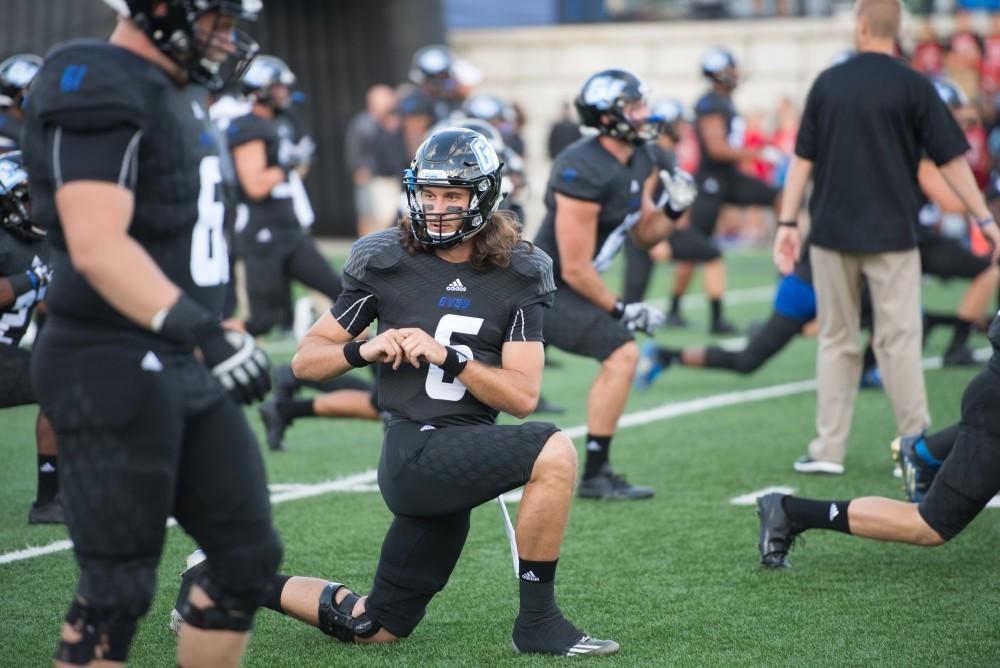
(151, 362)
(427, 427)
(530, 577)
(456, 286)
(833, 511)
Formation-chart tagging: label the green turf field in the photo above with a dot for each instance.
(675, 579)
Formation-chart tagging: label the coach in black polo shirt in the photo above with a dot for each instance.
(866, 124)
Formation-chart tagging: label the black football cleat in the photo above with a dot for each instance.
(558, 637)
(677, 321)
(275, 425)
(194, 566)
(609, 485)
(47, 513)
(776, 535)
(723, 327)
(285, 383)
(918, 475)
(959, 356)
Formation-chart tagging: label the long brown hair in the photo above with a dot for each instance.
(492, 247)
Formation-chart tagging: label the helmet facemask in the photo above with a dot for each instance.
(15, 199)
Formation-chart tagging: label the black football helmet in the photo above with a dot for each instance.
(15, 199)
(454, 157)
(171, 25)
(265, 72)
(953, 96)
(604, 95)
(513, 164)
(16, 74)
(488, 108)
(720, 66)
(667, 113)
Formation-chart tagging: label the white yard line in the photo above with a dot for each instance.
(366, 480)
(750, 498)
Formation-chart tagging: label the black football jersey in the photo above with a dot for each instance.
(585, 170)
(419, 103)
(18, 256)
(178, 218)
(277, 209)
(473, 311)
(714, 103)
(10, 131)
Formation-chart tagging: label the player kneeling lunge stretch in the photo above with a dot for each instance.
(458, 298)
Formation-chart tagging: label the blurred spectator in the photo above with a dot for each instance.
(376, 155)
(990, 67)
(786, 126)
(564, 131)
(965, 54)
(928, 54)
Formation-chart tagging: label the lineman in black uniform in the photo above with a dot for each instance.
(600, 192)
(273, 244)
(124, 176)
(458, 298)
(720, 130)
(968, 478)
(24, 278)
(16, 74)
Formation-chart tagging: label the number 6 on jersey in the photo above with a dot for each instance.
(450, 324)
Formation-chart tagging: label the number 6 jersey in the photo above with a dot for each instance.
(98, 112)
(473, 311)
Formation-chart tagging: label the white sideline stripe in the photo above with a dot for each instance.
(750, 498)
(365, 481)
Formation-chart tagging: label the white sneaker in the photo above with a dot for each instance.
(807, 464)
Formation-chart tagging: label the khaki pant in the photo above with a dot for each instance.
(894, 282)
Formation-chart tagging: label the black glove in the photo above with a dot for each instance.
(236, 361)
(233, 357)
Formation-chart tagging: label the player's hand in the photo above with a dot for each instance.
(787, 247)
(772, 155)
(384, 348)
(680, 188)
(39, 275)
(992, 234)
(238, 364)
(642, 317)
(419, 344)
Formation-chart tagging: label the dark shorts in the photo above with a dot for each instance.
(730, 186)
(15, 386)
(145, 436)
(970, 476)
(431, 479)
(945, 257)
(577, 326)
(688, 245)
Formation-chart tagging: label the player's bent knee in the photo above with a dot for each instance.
(558, 456)
(624, 359)
(338, 620)
(97, 634)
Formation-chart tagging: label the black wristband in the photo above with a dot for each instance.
(618, 310)
(788, 223)
(454, 362)
(21, 283)
(352, 353)
(187, 322)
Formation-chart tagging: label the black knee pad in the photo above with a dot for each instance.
(238, 582)
(337, 620)
(105, 635)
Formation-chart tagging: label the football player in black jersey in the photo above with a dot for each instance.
(273, 244)
(720, 130)
(124, 176)
(24, 278)
(458, 298)
(964, 466)
(16, 74)
(434, 97)
(683, 244)
(599, 192)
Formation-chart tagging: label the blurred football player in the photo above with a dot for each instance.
(124, 176)
(459, 300)
(24, 279)
(720, 131)
(273, 243)
(16, 75)
(600, 192)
